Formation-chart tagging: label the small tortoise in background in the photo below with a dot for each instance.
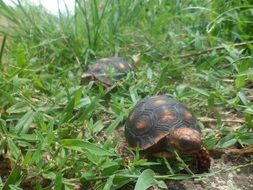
(160, 125)
(108, 70)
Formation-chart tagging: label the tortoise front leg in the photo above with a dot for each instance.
(203, 160)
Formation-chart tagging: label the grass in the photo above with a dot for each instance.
(59, 134)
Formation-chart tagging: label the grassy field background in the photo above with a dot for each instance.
(58, 134)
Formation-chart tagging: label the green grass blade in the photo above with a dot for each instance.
(81, 145)
(58, 182)
(146, 180)
(2, 48)
(25, 122)
(13, 178)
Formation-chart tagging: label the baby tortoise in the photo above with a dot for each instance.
(160, 125)
(108, 70)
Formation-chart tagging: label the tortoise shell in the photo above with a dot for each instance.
(106, 70)
(154, 118)
(160, 125)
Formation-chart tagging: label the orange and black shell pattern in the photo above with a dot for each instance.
(155, 117)
(109, 69)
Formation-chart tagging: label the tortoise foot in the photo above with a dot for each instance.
(203, 160)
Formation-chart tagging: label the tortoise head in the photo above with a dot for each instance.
(184, 140)
(187, 141)
(86, 77)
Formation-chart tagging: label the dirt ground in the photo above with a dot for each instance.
(237, 179)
